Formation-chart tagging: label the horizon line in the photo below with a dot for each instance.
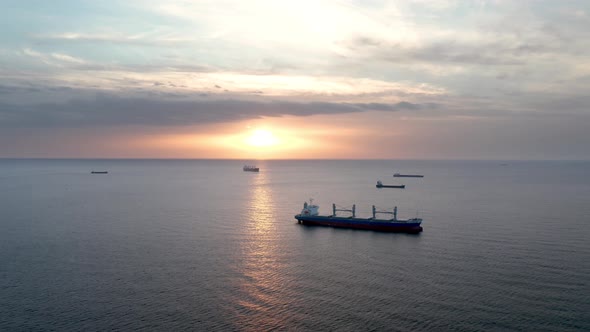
(288, 159)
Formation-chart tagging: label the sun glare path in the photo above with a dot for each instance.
(262, 138)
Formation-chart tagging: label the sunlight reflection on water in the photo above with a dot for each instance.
(259, 288)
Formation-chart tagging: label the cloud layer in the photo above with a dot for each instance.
(115, 111)
(183, 63)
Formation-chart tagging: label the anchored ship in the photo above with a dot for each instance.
(381, 185)
(397, 175)
(310, 216)
(250, 168)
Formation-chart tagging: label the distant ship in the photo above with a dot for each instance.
(250, 168)
(397, 175)
(309, 216)
(99, 172)
(381, 185)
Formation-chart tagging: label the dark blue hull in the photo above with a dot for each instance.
(391, 186)
(406, 226)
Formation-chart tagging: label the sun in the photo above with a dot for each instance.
(262, 138)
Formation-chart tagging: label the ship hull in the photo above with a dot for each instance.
(407, 176)
(358, 223)
(390, 186)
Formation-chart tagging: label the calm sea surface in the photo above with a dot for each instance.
(200, 244)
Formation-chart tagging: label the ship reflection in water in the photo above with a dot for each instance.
(260, 289)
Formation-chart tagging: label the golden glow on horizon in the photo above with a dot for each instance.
(315, 137)
(262, 138)
(259, 142)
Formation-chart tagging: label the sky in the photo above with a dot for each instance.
(271, 79)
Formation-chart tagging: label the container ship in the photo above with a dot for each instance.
(310, 216)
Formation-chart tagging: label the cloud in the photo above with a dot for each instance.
(107, 110)
(116, 38)
(448, 51)
(67, 58)
(56, 59)
(63, 61)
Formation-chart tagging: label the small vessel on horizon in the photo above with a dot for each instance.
(99, 172)
(381, 185)
(398, 175)
(250, 168)
(310, 216)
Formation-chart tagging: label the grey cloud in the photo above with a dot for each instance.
(564, 105)
(453, 53)
(272, 66)
(366, 41)
(490, 53)
(7, 89)
(403, 105)
(107, 110)
(10, 89)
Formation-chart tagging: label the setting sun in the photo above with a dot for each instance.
(262, 138)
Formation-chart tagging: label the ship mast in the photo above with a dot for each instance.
(394, 213)
(353, 210)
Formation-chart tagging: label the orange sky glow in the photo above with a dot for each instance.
(272, 138)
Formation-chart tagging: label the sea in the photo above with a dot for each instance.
(201, 245)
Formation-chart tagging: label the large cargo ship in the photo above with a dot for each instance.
(381, 185)
(310, 216)
(250, 168)
(398, 175)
